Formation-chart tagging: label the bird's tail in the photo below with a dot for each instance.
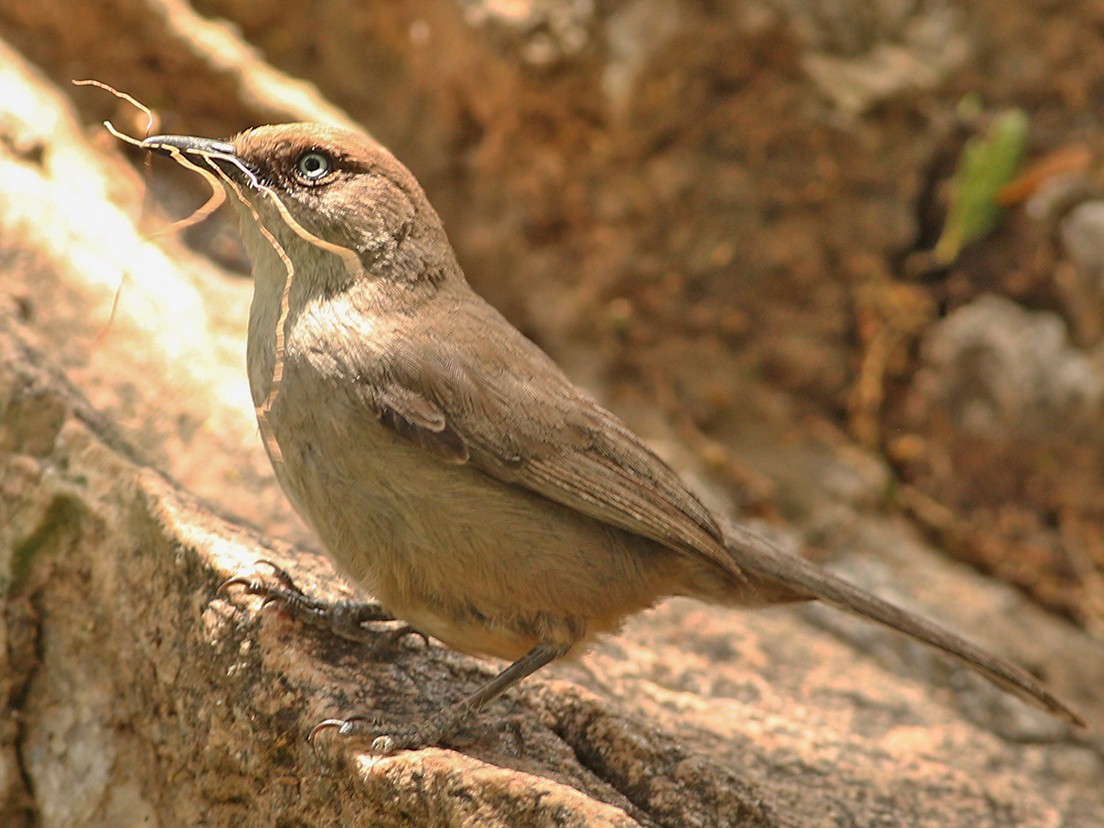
(762, 560)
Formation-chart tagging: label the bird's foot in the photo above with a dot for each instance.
(385, 738)
(343, 618)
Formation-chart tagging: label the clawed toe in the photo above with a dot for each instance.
(287, 588)
(383, 739)
(397, 634)
(343, 618)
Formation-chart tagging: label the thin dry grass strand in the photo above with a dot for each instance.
(267, 434)
(216, 177)
(349, 258)
(122, 136)
(214, 201)
(150, 117)
(126, 270)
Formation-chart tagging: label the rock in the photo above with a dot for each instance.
(1082, 233)
(997, 369)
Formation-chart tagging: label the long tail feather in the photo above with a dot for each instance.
(759, 557)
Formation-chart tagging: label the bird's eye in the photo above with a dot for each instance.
(313, 165)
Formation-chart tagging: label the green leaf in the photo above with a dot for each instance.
(986, 165)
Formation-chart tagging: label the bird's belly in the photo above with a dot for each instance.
(485, 566)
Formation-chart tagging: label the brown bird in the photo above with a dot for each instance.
(450, 467)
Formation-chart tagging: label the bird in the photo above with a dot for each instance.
(451, 469)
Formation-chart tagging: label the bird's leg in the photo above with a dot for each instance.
(387, 739)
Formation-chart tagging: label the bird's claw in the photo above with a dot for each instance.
(257, 587)
(343, 618)
(397, 634)
(384, 740)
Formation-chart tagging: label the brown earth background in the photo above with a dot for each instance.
(718, 217)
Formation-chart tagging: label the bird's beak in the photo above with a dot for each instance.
(201, 150)
(188, 144)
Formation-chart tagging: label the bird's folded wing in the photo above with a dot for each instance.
(518, 419)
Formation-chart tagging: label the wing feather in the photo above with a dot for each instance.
(505, 408)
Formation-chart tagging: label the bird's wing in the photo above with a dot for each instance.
(502, 406)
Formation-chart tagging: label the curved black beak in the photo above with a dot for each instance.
(203, 151)
(189, 144)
